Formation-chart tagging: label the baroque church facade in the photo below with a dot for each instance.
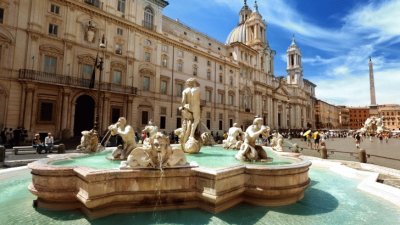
(49, 49)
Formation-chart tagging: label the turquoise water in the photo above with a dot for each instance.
(330, 199)
(211, 157)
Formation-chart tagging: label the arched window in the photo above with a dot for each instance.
(148, 18)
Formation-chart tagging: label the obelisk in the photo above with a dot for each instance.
(373, 108)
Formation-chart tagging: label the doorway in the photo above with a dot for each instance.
(84, 114)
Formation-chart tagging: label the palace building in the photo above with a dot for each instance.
(49, 49)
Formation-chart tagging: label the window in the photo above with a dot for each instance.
(180, 54)
(145, 117)
(120, 31)
(195, 59)
(208, 63)
(146, 84)
(163, 111)
(178, 122)
(147, 42)
(220, 78)
(115, 114)
(162, 122)
(180, 66)
(230, 122)
(1, 15)
(195, 70)
(220, 67)
(147, 56)
(118, 49)
(164, 48)
(50, 64)
(117, 77)
(53, 29)
(179, 89)
(220, 125)
(87, 71)
(220, 98)
(231, 100)
(163, 87)
(231, 81)
(208, 75)
(164, 61)
(46, 111)
(93, 2)
(121, 5)
(55, 9)
(148, 18)
(208, 95)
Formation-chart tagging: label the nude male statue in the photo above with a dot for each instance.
(128, 136)
(191, 103)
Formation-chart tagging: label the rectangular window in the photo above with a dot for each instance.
(180, 66)
(180, 54)
(221, 78)
(208, 75)
(145, 117)
(163, 87)
(115, 114)
(164, 48)
(53, 29)
(163, 111)
(120, 31)
(220, 98)
(230, 122)
(195, 58)
(87, 71)
(118, 49)
(209, 124)
(164, 61)
(195, 71)
(1, 15)
(208, 95)
(178, 122)
(46, 111)
(231, 103)
(55, 9)
(162, 122)
(146, 83)
(117, 77)
(208, 63)
(50, 64)
(179, 89)
(147, 56)
(121, 5)
(220, 125)
(231, 81)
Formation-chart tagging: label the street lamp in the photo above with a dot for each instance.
(102, 45)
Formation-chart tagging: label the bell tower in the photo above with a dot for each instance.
(294, 67)
(245, 13)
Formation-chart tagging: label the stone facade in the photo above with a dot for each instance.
(391, 116)
(49, 47)
(326, 115)
(358, 115)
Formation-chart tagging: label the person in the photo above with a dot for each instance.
(3, 136)
(143, 136)
(358, 138)
(49, 143)
(316, 140)
(37, 144)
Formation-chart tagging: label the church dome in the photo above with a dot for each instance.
(237, 35)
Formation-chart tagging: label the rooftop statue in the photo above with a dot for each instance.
(128, 137)
(249, 151)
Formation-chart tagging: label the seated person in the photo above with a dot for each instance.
(37, 143)
(49, 143)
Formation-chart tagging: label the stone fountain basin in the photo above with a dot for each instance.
(102, 192)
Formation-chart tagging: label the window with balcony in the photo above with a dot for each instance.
(87, 71)
(50, 64)
(148, 18)
(55, 9)
(163, 87)
(146, 83)
(53, 29)
(117, 77)
(121, 6)
(147, 57)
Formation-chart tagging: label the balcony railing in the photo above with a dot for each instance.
(62, 80)
(95, 3)
(149, 25)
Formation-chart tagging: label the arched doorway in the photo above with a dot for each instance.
(84, 114)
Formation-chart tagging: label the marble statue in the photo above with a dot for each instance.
(190, 110)
(152, 130)
(89, 142)
(235, 137)
(128, 137)
(277, 141)
(249, 151)
(158, 154)
(373, 125)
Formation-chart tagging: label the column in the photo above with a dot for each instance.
(105, 111)
(129, 110)
(28, 106)
(65, 108)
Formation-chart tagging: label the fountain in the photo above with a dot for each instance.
(157, 167)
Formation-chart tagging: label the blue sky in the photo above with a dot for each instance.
(336, 38)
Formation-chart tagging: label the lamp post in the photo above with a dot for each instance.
(96, 126)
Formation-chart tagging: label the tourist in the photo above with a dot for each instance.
(357, 137)
(316, 139)
(9, 137)
(3, 136)
(380, 138)
(49, 143)
(143, 136)
(37, 144)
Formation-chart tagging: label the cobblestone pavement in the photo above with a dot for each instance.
(384, 154)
